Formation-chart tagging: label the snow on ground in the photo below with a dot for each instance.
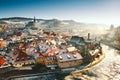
(107, 69)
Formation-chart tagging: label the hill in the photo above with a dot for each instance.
(65, 26)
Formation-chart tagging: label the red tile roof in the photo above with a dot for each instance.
(1, 61)
(22, 56)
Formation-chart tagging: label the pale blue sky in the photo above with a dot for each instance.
(90, 11)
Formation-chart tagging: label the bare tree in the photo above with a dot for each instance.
(117, 36)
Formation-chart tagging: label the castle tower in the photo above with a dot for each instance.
(88, 36)
(34, 19)
(34, 23)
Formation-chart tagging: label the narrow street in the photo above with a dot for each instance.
(107, 69)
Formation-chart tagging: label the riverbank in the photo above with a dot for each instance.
(39, 76)
(73, 73)
(15, 74)
(105, 70)
(79, 73)
(111, 45)
(34, 75)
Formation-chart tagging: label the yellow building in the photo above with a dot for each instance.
(3, 43)
(46, 61)
(40, 60)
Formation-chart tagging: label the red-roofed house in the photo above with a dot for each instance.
(1, 61)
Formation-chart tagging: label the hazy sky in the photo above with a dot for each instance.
(91, 11)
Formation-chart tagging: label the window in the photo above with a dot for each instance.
(68, 56)
(60, 57)
(74, 56)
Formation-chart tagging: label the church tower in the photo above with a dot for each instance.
(34, 28)
(34, 19)
(34, 24)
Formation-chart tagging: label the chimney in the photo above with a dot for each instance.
(99, 43)
(95, 39)
(88, 36)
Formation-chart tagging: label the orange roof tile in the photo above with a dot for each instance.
(1, 61)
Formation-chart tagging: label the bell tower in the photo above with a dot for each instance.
(34, 19)
(34, 23)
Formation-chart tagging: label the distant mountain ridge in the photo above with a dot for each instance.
(56, 24)
(20, 18)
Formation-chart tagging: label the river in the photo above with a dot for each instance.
(107, 69)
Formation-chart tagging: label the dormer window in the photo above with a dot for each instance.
(56, 52)
(74, 56)
(35, 50)
(17, 59)
(68, 56)
(23, 58)
(60, 57)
